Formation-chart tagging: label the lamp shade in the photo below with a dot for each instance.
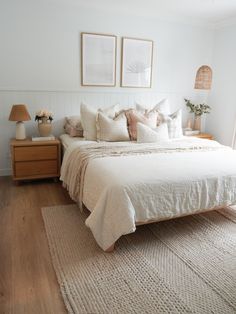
(19, 113)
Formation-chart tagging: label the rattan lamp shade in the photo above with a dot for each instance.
(203, 78)
(19, 113)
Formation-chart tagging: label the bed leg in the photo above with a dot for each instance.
(110, 249)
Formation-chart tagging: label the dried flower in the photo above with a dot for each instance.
(43, 114)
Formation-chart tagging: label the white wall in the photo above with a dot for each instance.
(222, 96)
(40, 61)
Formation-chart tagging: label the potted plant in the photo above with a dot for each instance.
(198, 110)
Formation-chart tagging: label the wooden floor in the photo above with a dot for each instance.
(28, 282)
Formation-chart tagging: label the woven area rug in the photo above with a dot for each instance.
(186, 265)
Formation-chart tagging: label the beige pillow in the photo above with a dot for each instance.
(74, 121)
(133, 117)
(72, 131)
(73, 126)
(112, 130)
(145, 134)
(88, 118)
(162, 106)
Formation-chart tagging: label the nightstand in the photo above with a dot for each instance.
(35, 160)
(206, 136)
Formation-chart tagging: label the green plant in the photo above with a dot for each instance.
(199, 109)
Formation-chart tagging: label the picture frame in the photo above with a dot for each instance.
(98, 59)
(136, 62)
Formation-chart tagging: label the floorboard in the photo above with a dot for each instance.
(28, 282)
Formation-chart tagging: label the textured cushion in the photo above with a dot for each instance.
(174, 122)
(163, 106)
(73, 126)
(134, 116)
(112, 130)
(145, 134)
(88, 119)
(74, 121)
(72, 131)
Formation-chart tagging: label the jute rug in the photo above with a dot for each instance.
(186, 265)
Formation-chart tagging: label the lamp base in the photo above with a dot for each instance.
(20, 130)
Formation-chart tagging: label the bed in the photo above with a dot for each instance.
(124, 184)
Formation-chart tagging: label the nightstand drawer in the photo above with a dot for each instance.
(35, 153)
(32, 168)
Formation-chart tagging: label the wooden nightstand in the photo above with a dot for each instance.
(207, 136)
(35, 160)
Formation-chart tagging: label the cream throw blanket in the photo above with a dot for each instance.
(78, 156)
(126, 183)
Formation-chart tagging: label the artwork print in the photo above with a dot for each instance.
(98, 59)
(136, 62)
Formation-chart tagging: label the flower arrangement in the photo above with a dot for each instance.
(43, 115)
(198, 110)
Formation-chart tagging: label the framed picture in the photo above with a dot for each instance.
(98, 59)
(136, 63)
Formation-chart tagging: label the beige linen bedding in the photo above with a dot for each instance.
(126, 183)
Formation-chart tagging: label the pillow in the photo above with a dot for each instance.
(74, 121)
(145, 134)
(174, 122)
(69, 129)
(133, 117)
(88, 119)
(73, 126)
(163, 106)
(112, 130)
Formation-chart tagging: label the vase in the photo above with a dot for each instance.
(189, 124)
(197, 123)
(45, 127)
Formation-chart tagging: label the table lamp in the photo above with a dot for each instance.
(19, 113)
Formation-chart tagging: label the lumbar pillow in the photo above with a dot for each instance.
(145, 134)
(112, 130)
(133, 117)
(163, 106)
(88, 119)
(174, 122)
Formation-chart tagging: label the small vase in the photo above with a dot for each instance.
(197, 123)
(189, 124)
(45, 127)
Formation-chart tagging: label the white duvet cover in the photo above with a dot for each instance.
(125, 190)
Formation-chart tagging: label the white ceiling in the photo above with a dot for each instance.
(209, 12)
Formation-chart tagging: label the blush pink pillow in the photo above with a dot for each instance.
(133, 117)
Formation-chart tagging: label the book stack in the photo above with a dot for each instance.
(191, 132)
(43, 138)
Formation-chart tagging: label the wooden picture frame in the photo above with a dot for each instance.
(98, 59)
(136, 62)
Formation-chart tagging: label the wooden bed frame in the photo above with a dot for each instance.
(112, 247)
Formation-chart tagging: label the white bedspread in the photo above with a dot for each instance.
(122, 191)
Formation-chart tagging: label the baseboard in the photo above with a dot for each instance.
(5, 172)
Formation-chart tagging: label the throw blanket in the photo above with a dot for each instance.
(77, 158)
(126, 183)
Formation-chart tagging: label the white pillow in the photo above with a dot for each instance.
(174, 122)
(163, 106)
(88, 119)
(112, 130)
(145, 134)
